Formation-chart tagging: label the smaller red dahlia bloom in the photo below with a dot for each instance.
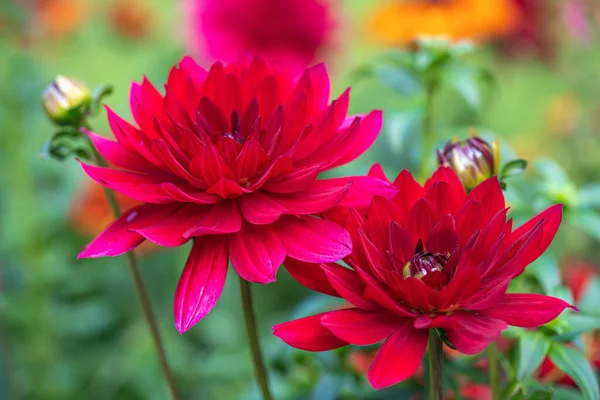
(229, 158)
(292, 30)
(433, 257)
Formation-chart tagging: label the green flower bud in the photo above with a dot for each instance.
(66, 100)
(474, 160)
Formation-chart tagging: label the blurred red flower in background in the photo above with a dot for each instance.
(290, 30)
(229, 157)
(433, 257)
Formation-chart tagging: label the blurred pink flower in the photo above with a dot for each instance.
(290, 30)
(575, 18)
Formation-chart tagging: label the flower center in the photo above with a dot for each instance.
(424, 263)
(235, 133)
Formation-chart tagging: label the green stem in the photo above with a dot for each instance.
(436, 384)
(260, 371)
(494, 377)
(141, 291)
(428, 132)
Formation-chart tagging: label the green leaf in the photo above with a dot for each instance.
(573, 363)
(591, 298)
(513, 168)
(552, 172)
(464, 81)
(588, 196)
(400, 80)
(403, 128)
(586, 221)
(533, 347)
(578, 323)
(546, 273)
(560, 393)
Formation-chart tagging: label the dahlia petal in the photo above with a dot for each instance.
(117, 154)
(551, 218)
(401, 244)
(313, 240)
(462, 285)
(295, 181)
(489, 193)
(362, 328)
(170, 231)
(210, 118)
(259, 208)
(370, 126)
(468, 220)
(249, 159)
(162, 151)
(311, 275)
(526, 310)
(448, 176)
(349, 286)
(190, 195)
(308, 334)
(280, 166)
(422, 219)
(201, 281)
(377, 260)
(399, 357)
(382, 213)
(210, 166)
(268, 95)
(256, 253)
(447, 198)
(364, 188)
(443, 238)
(118, 237)
(221, 218)
(380, 295)
(320, 196)
(226, 188)
(320, 85)
(141, 187)
(377, 171)
(411, 191)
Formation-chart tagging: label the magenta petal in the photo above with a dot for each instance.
(119, 237)
(363, 189)
(313, 240)
(311, 275)
(308, 334)
(118, 154)
(260, 209)
(350, 287)
(224, 217)
(399, 356)
(256, 253)
(170, 231)
(369, 130)
(362, 328)
(526, 310)
(201, 282)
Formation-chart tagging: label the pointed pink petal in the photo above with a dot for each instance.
(296, 181)
(362, 328)
(256, 253)
(201, 282)
(308, 334)
(224, 217)
(370, 126)
(350, 287)
(399, 357)
(320, 196)
(119, 237)
(377, 171)
(526, 310)
(310, 275)
(312, 239)
(363, 189)
(119, 155)
(170, 231)
(260, 208)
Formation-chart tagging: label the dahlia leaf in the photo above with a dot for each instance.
(574, 363)
(591, 298)
(400, 80)
(513, 168)
(533, 347)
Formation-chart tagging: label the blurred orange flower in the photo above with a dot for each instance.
(58, 18)
(130, 18)
(400, 22)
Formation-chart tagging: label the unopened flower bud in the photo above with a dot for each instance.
(474, 160)
(65, 100)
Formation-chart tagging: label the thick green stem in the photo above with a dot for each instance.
(436, 362)
(260, 371)
(142, 292)
(494, 377)
(428, 134)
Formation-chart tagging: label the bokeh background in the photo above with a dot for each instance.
(73, 329)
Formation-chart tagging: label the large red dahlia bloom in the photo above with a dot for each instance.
(291, 30)
(432, 257)
(230, 157)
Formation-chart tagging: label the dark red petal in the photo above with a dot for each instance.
(312, 239)
(201, 282)
(256, 253)
(308, 334)
(526, 310)
(320, 196)
(170, 231)
(443, 238)
(379, 294)
(399, 357)
(210, 166)
(381, 214)
(409, 191)
(446, 198)
(349, 286)
(455, 189)
(488, 193)
(296, 181)
(224, 217)
(250, 158)
(119, 238)
(401, 244)
(362, 328)
(422, 219)
(311, 275)
(226, 188)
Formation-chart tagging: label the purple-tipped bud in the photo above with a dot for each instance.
(474, 160)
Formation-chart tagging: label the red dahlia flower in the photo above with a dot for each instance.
(230, 157)
(432, 257)
(291, 30)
